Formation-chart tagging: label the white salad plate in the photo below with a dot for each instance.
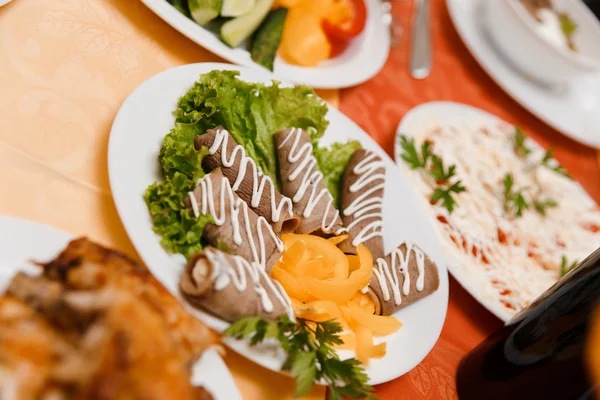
(446, 113)
(574, 110)
(137, 133)
(362, 60)
(23, 242)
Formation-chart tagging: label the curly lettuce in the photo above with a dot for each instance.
(252, 112)
(181, 167)
(332, 161)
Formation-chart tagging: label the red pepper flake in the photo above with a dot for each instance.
(502, 236)
(588, 226)
(442, 219)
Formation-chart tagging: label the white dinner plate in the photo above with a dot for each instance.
(574, 111)
(362, 60)
(23, 241)
(451, 114)
(135, 140)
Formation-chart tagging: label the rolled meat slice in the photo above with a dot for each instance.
(402, 278)
(362, 202)
(303, 183)
(232, 288)
(256, 189)
(235, 225)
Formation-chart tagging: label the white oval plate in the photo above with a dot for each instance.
(574, 112)
(135, 140)
(23, 241)
(441, 113)
(361, 61)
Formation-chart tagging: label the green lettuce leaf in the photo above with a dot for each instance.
(181, 165)
(332, 161)
(252, 112)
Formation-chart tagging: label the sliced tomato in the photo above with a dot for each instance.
(341, 30)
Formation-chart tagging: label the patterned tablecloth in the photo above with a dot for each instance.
(67, 65)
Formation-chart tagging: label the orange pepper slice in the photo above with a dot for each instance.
(338, 239)
(381, 325)
(321, 246)
(364, 344)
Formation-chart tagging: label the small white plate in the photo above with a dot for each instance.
(135, 140)
(574, 111)
(361, 61)
(23, 241)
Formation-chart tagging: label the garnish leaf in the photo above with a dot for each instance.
(438, 171)
(550, 162)
(567, 25)
(565, 267)
(520, 146)
(513, 199)
(411, 155)
(541, 205)
(310, 355)
(445, 194)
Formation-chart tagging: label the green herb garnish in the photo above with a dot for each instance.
(520, 147)
(411, 155)
(445, 194)
(550, 162)
(541, 205)
(310, 354)
(434, 166)
(438, 171)
(567, 25)
(565, 267)
(513, 199)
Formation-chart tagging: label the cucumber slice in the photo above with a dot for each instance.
(237, 30)
(203, 11)
(235, 8)
(267, 37)
(181, 6)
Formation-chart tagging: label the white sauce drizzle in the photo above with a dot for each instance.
(248, 164)
(515, 266)
(237, 206)
(387, 273)
(238, 275)
(365, 207)
(310, 180)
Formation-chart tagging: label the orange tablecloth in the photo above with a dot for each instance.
(67, 65)
(378, 105)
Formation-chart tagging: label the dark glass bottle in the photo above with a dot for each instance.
(539, 354)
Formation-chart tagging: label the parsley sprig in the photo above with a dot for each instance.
(310, 354)
(520, 146)
(565, 267)
(411, 155)
(513, 199)
(550, 162)
(434, 165)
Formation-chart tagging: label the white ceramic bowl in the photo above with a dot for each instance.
(513, 31)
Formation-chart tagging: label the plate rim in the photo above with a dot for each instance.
(38, 229)
(310, 75)
(455, 10)
(120, 201)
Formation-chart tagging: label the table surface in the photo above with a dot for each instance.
(67, 65)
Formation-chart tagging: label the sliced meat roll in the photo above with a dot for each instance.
(257, 190)
(303, 183)
(233, 288)
(235, 224)
(402, 278)
(362, 202)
